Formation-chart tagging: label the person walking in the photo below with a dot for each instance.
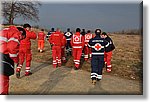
(56, 43)
(41, 38)
(9, 47)
(77, 43)
(25, 51)
(68, 36)
(87, 50)
(108, 52)
(98, 46)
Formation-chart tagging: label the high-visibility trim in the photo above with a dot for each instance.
(86, 44)
(97, 53)
(59, 61)
(3, 39)
(99, 77)
(89, 45)
(13, 55)
(107, 45)
(109, 66)
(54, 60)
(68, 39)
(85, 56)
(54, 63)
(94, 74)
(77, 46)
(14, 39)
(8, 64)
(87, 40)
(76, 62)
(90, 55)
(27, 68)
(19, 67)
(77, 42)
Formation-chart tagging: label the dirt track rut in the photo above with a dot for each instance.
(47, 80)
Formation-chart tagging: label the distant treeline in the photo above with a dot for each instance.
(130, 32)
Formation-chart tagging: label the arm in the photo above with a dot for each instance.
(13, 48)
(83, 41)
(32, 35)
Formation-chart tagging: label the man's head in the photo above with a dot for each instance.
(98, 32)
(58, 30)
(52, 29)
(42, 30)
(27, 26)
(68, 30)
(88, 31)
(78, 30)
(104, 35)
(23, 33)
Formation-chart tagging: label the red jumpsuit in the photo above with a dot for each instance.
(77, 43)
(64, 41)
(55, 41)
(41, 37)
(108, 54)
(25, 52)
(9, 48)
(87, 50)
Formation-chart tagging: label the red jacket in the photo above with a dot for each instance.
(77, 40)
(56, 39)
(9, 42)
(87, 38)
(26, 43)
(64, 41)
(41, 35)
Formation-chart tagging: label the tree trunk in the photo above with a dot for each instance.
(11, 14)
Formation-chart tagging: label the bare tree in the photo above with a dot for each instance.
(15, 8)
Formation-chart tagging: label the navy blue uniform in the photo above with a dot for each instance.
(98, 46)
(111, 45)
(68, 36)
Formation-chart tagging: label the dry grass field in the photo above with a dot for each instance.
(126, 61)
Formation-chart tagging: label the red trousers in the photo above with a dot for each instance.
(4, 84)
(77, 52)
(87, 53)
(63, 57)
(107, 58)
(56, 54)
(25, 54)
(40, 44)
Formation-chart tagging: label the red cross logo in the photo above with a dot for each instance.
(77, 38)
(97, 46)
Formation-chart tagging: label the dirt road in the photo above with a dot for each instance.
(47, 80)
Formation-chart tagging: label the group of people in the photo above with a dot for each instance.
(16, 48)
(96, 47)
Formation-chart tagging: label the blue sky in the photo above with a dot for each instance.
(108, 17)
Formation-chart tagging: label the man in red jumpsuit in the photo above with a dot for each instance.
(41, 37)
(9, 47)
(77, 43)
(87, 50)
(25, 51)
(63, 46)
(55, 41)
(108, 51)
